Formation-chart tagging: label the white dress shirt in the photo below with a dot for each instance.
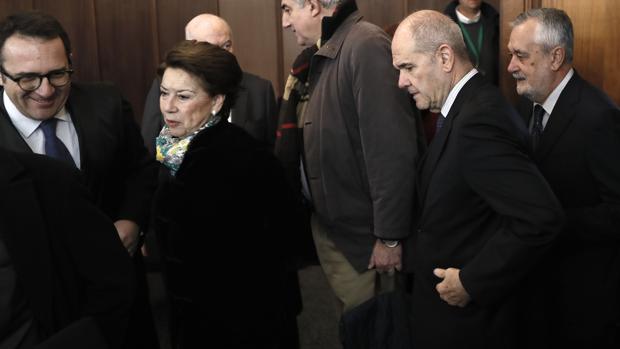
(29, 129)
(447, 105)
(550, 102)
(464, 19)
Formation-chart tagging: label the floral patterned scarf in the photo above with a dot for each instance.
(171, 150)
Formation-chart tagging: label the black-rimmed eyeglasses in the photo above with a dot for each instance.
(31, 81)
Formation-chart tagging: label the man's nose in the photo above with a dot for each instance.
(285, 22)
(403, 81)
(512, 66)
(46, 89)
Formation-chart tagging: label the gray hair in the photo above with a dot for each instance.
(431, 29)
(324, 3)
(556, 29)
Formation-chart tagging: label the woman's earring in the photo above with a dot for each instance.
(213, 112)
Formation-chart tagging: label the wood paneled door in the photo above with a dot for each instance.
(123, 41)
(118, 40)
(596, 24)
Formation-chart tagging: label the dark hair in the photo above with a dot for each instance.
(33, 24)
(216, 69)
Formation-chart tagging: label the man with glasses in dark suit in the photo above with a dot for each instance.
(86, 126)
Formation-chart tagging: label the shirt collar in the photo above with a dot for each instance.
(455, 91)
(550, 102)
(330, 24)
(463, 19)
(26, 125)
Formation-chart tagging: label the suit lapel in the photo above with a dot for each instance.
(9, 136)
(563, 114)
(438, 144)
(429, 162)
(239, 110)
(525, 109)
(85, 124)
(26, 238)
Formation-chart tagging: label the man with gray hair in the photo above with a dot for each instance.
(575, 133)
(360, 145)
(255, 108)
(487, 216)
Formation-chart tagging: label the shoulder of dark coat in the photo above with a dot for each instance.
(96, 90)
(596, 97)
(249, 78)
(488, 10)
(227, 136)
(487, 103)
(364, 30)
(450, 10)
(42, 169)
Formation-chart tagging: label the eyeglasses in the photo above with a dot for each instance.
(31, 81)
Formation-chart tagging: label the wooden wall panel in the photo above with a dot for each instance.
(9, 6)
(290, 50)
(597, 41)
(256, 28)
(509, 10)
(78, 19)
(125, 51)
(124, 40)
(172, 16)
(437, 5)
(440, 5)
(383, 13)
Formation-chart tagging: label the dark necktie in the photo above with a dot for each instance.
(440, 120)
(54, 147)
(537, 126)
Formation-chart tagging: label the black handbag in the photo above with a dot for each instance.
(383, 322)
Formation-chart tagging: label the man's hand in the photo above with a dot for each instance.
(451, 289)
(129, 232)
(385, 259)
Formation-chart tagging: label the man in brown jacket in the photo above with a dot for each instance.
(361, 143)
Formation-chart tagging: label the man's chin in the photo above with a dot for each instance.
(524, 91)
(301, 41)
(42, 113)
(521, 86)
(422, 105)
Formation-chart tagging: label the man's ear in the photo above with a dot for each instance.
(558, 56)
(446, 56)
(315, 7)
